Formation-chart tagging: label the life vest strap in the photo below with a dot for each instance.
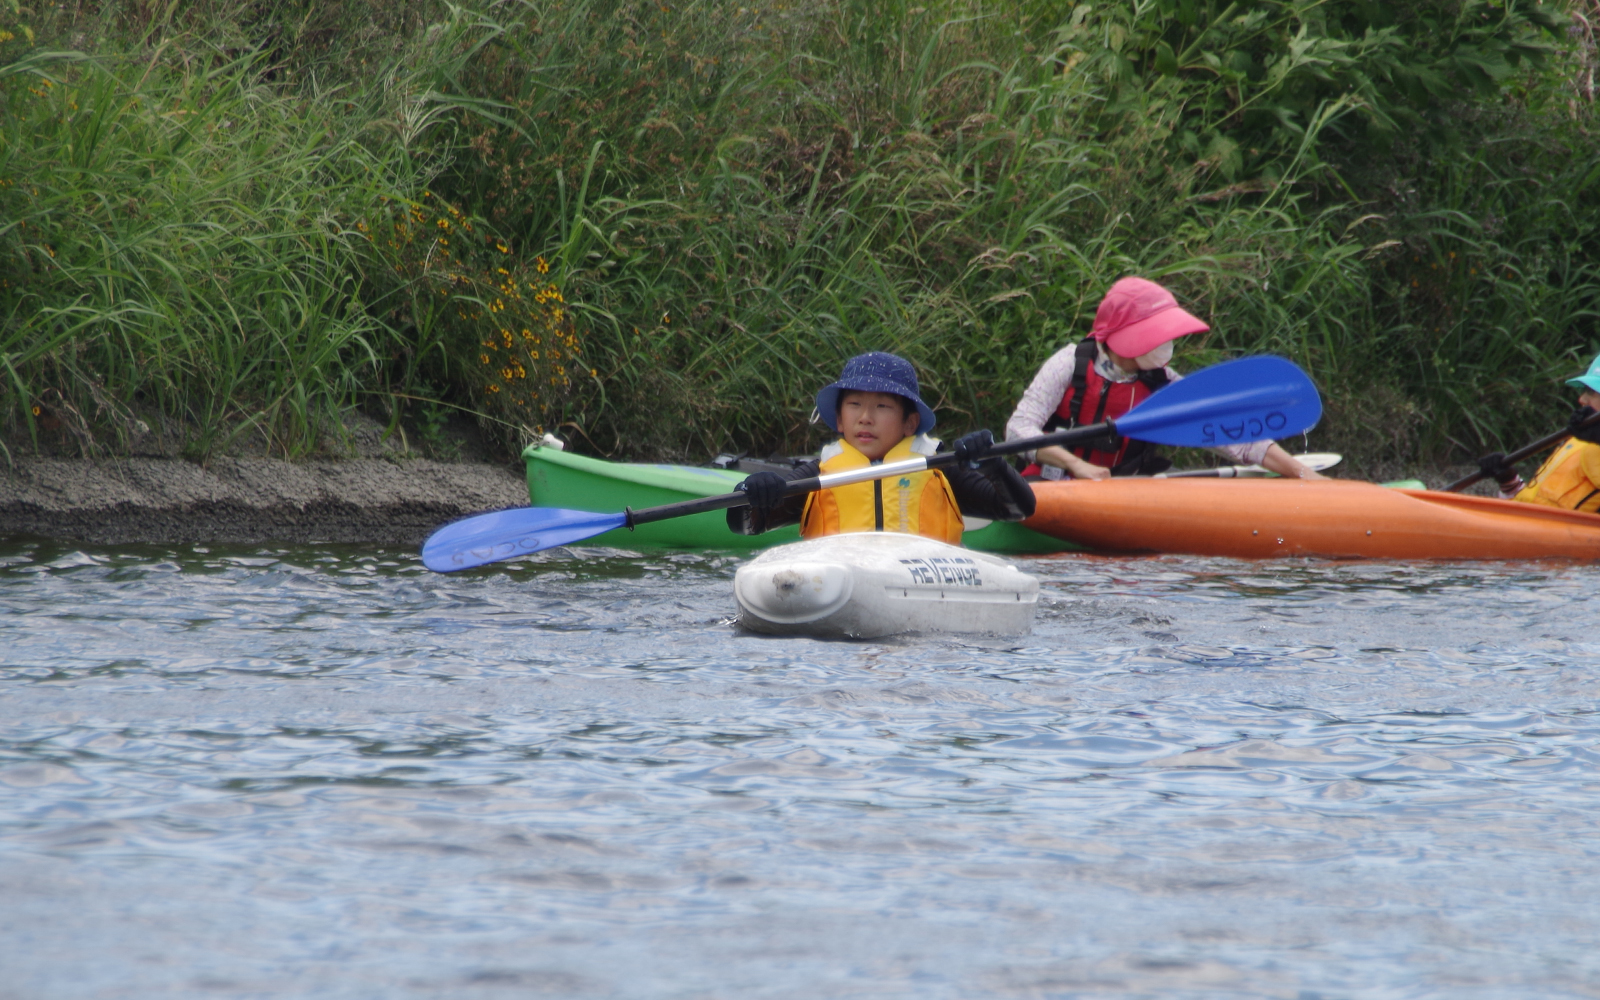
(1124, 457)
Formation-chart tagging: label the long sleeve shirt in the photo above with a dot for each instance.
(1043, 397)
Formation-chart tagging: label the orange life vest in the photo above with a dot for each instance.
(919, 503)
(1569, 479)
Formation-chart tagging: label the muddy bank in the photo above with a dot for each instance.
(246, 500)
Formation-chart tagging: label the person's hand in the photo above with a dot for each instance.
(1286, 465)
(1074, 466)
(1588, 434)
(1493, 465)
(765, 490)
(970, 448)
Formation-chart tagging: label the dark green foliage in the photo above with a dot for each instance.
(1241, 85)
(961, 183)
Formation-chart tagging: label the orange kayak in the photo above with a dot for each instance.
(1338, 519)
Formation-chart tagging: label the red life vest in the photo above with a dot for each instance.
(1091, 399)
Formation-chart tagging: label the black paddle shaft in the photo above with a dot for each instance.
(1070, 436)
(1522, 453)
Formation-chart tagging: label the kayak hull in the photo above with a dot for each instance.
(872, 584)
(576, 482)
(1338, 519)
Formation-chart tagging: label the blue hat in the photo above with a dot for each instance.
(1589, 379)
(874, 372)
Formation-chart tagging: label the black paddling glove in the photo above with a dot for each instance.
(993, 490)
(765, 490)
(970, 448)
(1588, 434)
(1493, 465)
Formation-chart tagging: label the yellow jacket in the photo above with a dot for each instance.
(917, 504)
(1569, 479)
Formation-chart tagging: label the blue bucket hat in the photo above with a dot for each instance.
(874, 372)
(1589, 379)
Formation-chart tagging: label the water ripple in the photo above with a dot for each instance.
(323, 771)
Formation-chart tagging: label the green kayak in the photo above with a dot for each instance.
(575, 482)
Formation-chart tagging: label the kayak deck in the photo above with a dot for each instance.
(871, 584)
(1338, 519)
(560, 479)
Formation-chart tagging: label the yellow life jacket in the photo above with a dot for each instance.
(1569, 479)
(919, 503)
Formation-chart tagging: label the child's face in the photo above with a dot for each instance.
(1590, 398)
(874, 422)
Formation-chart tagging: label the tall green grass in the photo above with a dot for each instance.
(816, 180)
(176, 243)
(196, 257)
(734, 199)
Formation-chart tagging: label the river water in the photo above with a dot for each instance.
(325, 772)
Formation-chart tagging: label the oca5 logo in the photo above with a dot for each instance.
(1256, 428)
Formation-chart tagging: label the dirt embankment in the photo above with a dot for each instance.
(245, 500)
(377, 501)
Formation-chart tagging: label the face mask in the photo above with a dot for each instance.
(1157, 358)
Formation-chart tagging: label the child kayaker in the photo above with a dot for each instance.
(1570, 478)
(1123, 360)
(879, 416)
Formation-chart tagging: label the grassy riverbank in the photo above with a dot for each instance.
(657, 228)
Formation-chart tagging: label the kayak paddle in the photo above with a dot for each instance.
(1522, 453)
(1316, 461)
(1235, 402)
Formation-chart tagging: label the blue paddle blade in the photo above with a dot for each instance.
(506, 534)
(1236, 402)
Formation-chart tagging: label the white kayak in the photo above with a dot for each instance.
(872, 584)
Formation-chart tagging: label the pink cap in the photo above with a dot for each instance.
(1137, 316)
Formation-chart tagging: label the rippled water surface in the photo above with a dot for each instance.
(325, 772)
